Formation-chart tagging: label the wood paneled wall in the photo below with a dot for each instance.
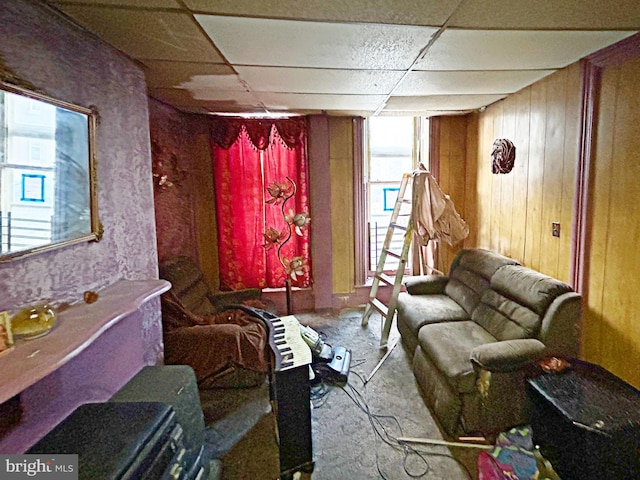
(512, 213)
(450, 152)
(342, 218)
(611, 326)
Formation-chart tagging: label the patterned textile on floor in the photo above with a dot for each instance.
(512, 457)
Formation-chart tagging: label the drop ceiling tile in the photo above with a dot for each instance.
(223, 83)
(155, 35)
(290, 101)
(209, 100)
(468, 82)
(125, 3)
(442, 102)
(423, 113)
(400, 12)
(317, 80)
(212, 93)
(345, 113)
(513, 50)
(549, 14)
(160, 73)
(288, 43)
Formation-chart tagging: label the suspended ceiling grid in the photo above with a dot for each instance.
(355, 57)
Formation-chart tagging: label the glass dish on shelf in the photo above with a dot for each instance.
(33, 322)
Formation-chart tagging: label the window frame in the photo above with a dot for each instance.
(421, 152)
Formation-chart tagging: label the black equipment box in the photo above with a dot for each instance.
(119, 441)
(177, 386)
(587, 423)
(172, 384)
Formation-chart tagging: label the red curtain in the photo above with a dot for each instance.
(241, 179)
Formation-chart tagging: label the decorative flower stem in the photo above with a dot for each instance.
(284, 202)
(280, 195)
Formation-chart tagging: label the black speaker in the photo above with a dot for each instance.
(118, 441)
(172, 384)
(176, 385)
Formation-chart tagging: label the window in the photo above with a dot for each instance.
(395, 146)
(27, 164)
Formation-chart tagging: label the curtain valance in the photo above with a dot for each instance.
(226, 130)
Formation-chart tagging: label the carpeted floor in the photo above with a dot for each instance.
(354, 427)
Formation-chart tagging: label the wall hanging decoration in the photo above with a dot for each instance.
(503, 156)
(280, 193)
(165, 170)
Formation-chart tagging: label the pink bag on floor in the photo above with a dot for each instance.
(511, 459)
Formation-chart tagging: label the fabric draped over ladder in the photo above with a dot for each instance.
(249, 155)
(433, 214)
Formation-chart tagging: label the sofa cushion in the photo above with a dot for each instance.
(528, 287)
(504, 318)
(471, 274)
(448, 346)
(418, 310)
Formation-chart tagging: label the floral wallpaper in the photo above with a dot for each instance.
(67, 63)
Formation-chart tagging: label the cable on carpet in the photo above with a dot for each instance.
(382, 432)
(321, 390)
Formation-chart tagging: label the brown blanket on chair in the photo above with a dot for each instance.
(213, 345)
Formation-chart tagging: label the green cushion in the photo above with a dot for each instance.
(471, 274)
(504, 318)
(528, 287)
(448, 346)
(414, 311)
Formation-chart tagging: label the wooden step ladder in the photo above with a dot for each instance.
(388, 310)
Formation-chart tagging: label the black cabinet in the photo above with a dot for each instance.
(587, 423)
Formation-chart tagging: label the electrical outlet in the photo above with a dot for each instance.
(555, 229)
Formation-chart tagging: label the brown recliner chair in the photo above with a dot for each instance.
(227, 348)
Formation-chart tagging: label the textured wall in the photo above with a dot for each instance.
(69, 64)
(172, 135)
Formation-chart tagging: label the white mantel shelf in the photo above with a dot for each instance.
(75, 329)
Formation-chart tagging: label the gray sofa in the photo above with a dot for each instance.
(478, 333)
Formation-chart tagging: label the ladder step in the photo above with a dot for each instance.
(393, 254)
(385, 278)
(398, 226)
(388, 312)
(379, 306)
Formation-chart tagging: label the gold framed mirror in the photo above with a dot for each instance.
(48, 195)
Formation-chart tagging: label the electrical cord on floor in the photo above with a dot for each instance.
(320, 391)
(384, 434)
(319, 394)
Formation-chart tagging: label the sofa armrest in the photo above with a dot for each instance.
(507, 355)
(426, 284)
(560, 326)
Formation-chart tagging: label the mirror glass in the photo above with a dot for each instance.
(47, 173)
